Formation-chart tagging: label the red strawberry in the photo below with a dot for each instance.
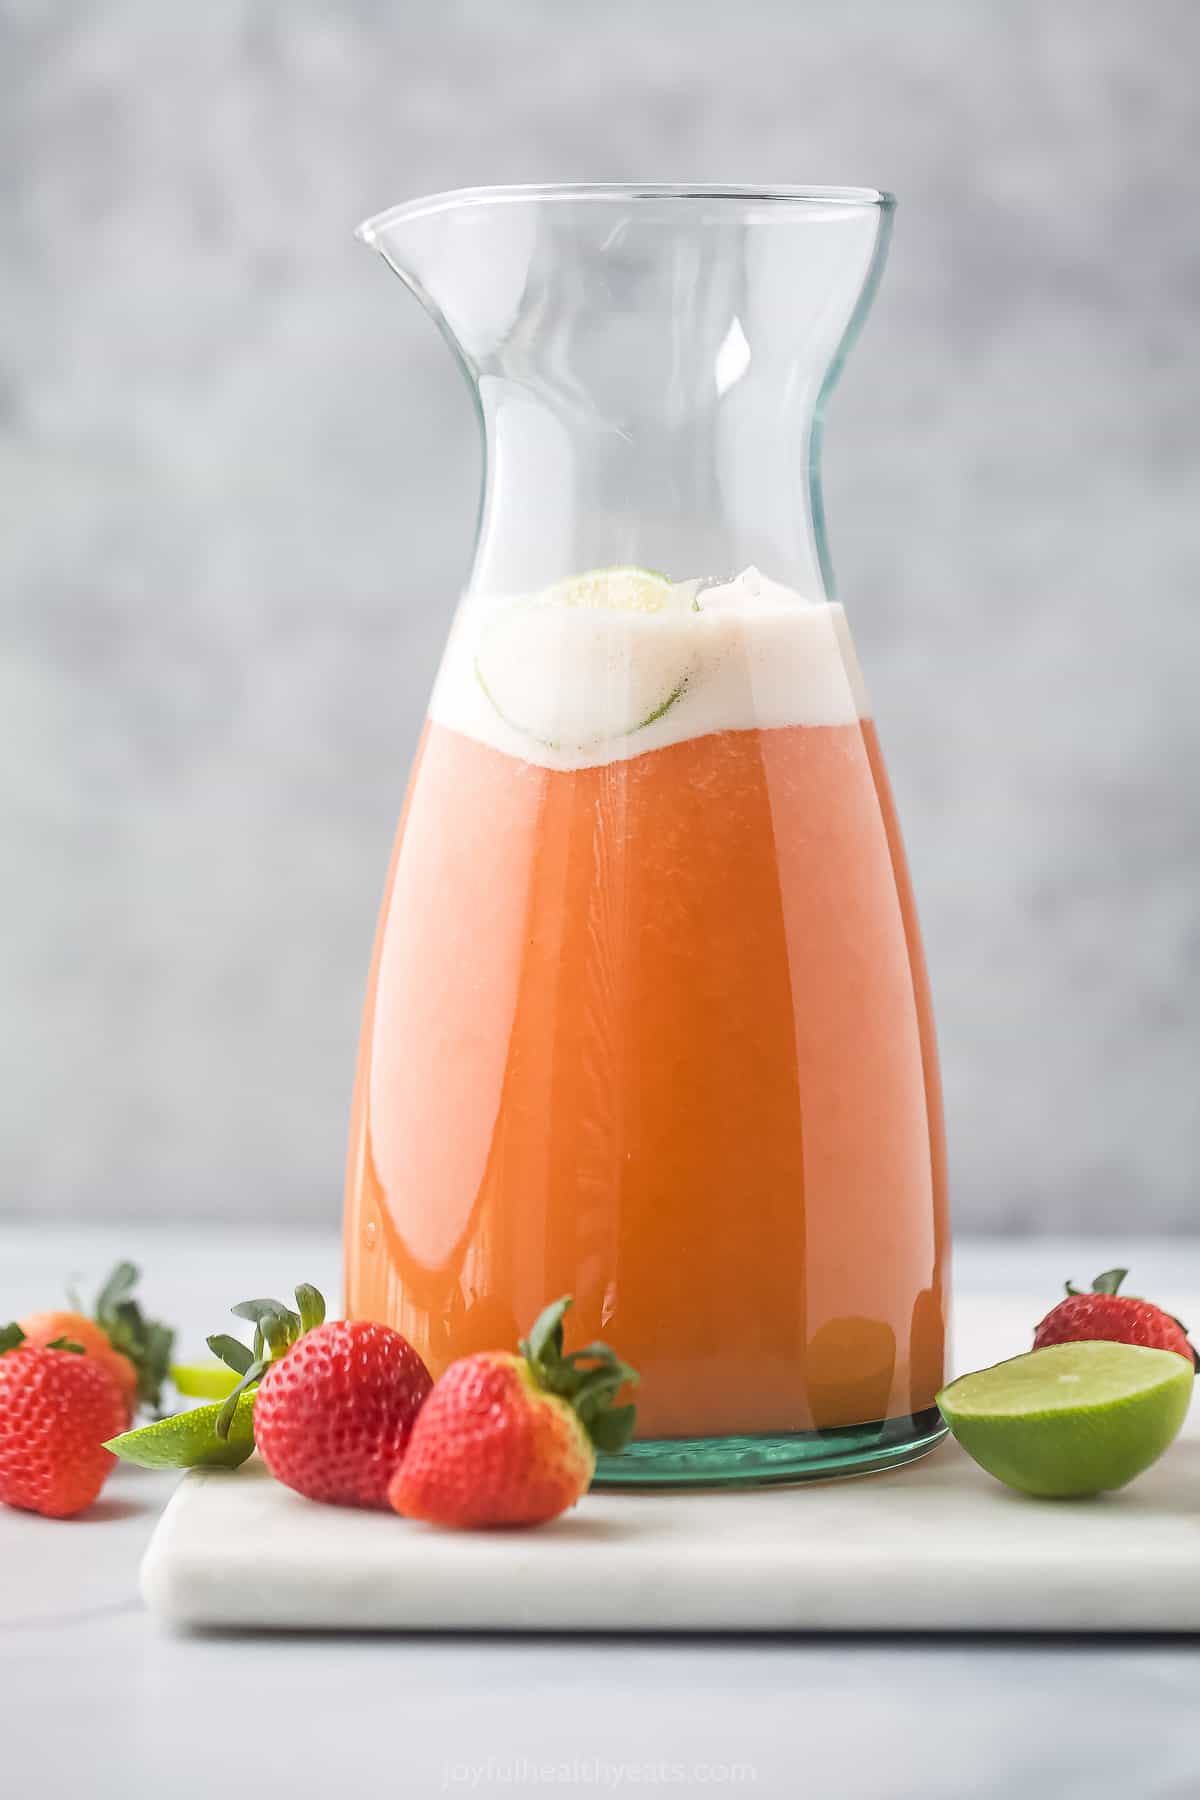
(333, 1415)
(57, 1406)
(512, 1440)
(1121, 1318)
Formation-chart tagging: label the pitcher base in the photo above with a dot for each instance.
(721, 1462)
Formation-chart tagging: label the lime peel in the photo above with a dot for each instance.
(189, 1440)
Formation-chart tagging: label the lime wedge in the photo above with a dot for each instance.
(204, 1381)
(1071, 1420)
(189, 1440)
(593, 658)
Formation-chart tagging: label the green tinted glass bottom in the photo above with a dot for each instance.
(790, 1456)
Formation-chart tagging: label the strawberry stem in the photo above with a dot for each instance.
(589, 1379)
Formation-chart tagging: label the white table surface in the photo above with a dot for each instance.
(96, 1699)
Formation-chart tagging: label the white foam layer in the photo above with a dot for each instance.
(572, 687)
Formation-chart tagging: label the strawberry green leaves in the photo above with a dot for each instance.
(312, 1306)
(276, 1329)
(231, 1351)
(589, 1379)
(146, 1342)
(11, 1336)
(1108, 1283)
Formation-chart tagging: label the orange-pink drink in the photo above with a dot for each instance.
(648, 1022)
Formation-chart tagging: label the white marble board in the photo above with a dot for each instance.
(935, 1546)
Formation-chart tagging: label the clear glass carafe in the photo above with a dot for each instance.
(648, 1021)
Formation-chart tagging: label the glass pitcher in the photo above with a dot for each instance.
(648, 1021)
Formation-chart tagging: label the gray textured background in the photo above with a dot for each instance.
(237, 479)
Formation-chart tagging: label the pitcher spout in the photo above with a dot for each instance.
(650, 365)
(463, 257)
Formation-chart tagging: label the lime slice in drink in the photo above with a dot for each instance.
(189, 1440)
(613, 590)
(593, 658)
(1070, 1420)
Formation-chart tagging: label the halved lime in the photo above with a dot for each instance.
(1070, 1420)
(204, 1380)
(569, 669)
(189, 1440)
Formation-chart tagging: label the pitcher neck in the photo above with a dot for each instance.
(651, 367)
